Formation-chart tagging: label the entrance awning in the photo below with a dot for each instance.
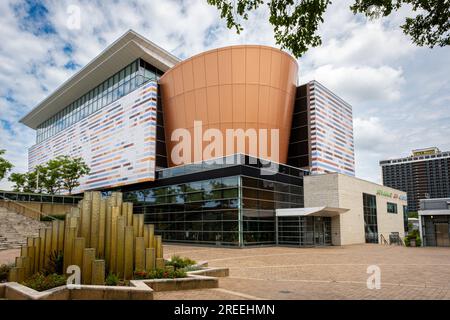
(313, 212)
(434, 212)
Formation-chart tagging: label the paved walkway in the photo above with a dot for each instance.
(316, 273)
(322, 273)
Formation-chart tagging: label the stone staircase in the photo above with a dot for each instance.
(15, 228)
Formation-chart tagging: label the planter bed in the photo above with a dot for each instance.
(205, 278)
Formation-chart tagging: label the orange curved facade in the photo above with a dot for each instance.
(237, 87)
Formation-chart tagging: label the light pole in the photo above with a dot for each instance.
(37, 179)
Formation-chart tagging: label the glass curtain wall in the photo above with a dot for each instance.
(370, 218)
(304, 231)
(120, 84)
(198, 212)
(260, 199)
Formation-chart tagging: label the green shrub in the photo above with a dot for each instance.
(55, 263)
(192, 268)
(407, 242)
(179, 263)
(4, 272)
(55, 216)
(41, 282)
(415, 234)
(160, 274)
(418, 242)
(112, 280)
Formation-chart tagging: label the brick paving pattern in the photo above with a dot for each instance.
(324, 273)
(316, 273)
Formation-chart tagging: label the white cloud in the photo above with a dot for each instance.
(397, 90)
(359, 84)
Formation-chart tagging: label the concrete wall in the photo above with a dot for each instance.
(322, 190)
(342, 191)
(49, 208)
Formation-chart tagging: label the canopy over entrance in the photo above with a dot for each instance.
(313, 212)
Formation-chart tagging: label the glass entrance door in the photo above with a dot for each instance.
(442, 236)
(319, 231)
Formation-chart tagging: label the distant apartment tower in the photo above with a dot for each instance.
(322, 131)
(424, 174)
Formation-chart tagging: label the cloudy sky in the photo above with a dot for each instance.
(400, 93)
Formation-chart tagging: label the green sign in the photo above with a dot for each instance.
(391, 195)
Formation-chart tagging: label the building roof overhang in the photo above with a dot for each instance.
(122, 52)
(442, 212)
(313, 211)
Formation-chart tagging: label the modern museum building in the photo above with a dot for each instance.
(153, 127)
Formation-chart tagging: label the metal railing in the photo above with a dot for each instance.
(37, 197)
(19, 208)
(383, 240)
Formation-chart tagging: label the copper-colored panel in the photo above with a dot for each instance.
(265, 66)
(238, 106)
(284, 70)
(199, 72)
(201, 106)
(224, 60)
(226, 103)
(179, 117)
(188, 76)
(189, 107)
(251, 103)
(212, 76)
(238, 64)
(178, 81)
(240, 87)
(263, 113)
(168, 91)
(275, 70)
(272, 113)
(252, 68)
(212, 98)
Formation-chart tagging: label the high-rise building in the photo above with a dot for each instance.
(322, 131)
(130, 109)
(424, 174)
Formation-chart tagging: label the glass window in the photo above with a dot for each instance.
(391, 207)
(370, 218)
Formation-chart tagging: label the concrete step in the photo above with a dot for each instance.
(15, 228)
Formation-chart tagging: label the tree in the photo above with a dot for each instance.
(61, 173)
(296, 22)
(71, 170)
(5, 165)
(50, 176)
(19, 180)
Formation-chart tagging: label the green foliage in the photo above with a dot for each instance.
(19, 180)
(418, 241)
(41, 282)
(413, 214)
(429, 26)
(166, 273)
(112, 280)
(407, 242)
(55, 263)
(414, 234)
(61, 173)
(296, 23)
(71, 170)
(5, 165)
(51, 217)
(4, 271)
(179, 263)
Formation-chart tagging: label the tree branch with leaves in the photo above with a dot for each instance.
(296, 22)
(5, 165)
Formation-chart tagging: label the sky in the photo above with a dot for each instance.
(400, 93)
